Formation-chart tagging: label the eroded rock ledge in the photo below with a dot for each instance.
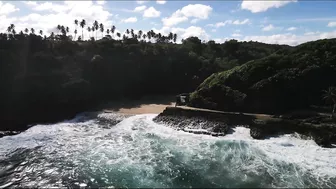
(261, 126)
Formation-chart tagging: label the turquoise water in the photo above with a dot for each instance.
(140, 153)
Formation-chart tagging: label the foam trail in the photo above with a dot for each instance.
(137, 152)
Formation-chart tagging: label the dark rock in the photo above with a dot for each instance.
(8, 133)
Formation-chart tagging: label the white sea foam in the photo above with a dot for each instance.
(140, 153)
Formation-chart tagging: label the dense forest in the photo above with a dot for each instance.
(48, 78)
(286, 80)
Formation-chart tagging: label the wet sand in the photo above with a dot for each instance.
(146, 105)
(145, 109)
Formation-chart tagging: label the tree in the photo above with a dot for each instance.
(139, 34)
(92, 29)
(108, 31)
(32, 31)
(113, 29)
(101, 26)
(75, 33)
(76, 23)
(41, 32)
(170, 36)
(132, 33)
(175, 37)
(26, 30)
(118, 34)
(89, 30)
(52, 36)
(330, 97)
(59, 28)
(96, 27)
(82, 25)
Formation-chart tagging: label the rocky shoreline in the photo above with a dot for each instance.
(319, 128)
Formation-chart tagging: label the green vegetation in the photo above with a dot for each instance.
(48, 78)
(330, 97)
(282, 81)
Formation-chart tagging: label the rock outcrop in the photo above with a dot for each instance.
(261, 126)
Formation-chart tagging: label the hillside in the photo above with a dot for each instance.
(51, 78)
(283, 81)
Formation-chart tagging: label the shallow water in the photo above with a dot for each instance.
(140, 153)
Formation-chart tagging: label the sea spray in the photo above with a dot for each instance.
(136, 152)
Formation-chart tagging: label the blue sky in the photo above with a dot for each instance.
(282, 22)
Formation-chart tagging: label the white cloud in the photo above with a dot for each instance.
(63, 13)
(311, 33)
(213, 30)
(268, 28)
(291, 29)
(194, 21)
(140, 8)
(101, 2)
(30, 3)
(235, 22)
(262, 6)
(291, 39)
(174, 19)
(7, 8)
(183, 33)
(130, 20)
(141, 2)
(151, 12)
(161, 2)
(197, 11)
(236, 35)
(332, 24)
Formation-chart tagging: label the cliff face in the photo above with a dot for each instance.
(281, 82)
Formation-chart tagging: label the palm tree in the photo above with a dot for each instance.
(59, 28)
(92, 29)
(96, 26)
(82, 24)
(89, 30)
(113, 29)
(108, 31)
(32, 30)
(75, 33)
(139, 34)
(127, 31)
(330, 97)
(101, 26)
(13, 32)
(9, 29)
(149, 35)
(41, 32)
(170, 36)
(144, 36)
(26, 30)
(76, 23)
(132, 33)
(67, 29)
(175, 37)
(118, 34)
(52, 36)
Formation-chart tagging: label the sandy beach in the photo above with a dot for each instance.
(147, 105)
(145, 109)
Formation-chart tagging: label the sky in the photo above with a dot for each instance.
(289, 22)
